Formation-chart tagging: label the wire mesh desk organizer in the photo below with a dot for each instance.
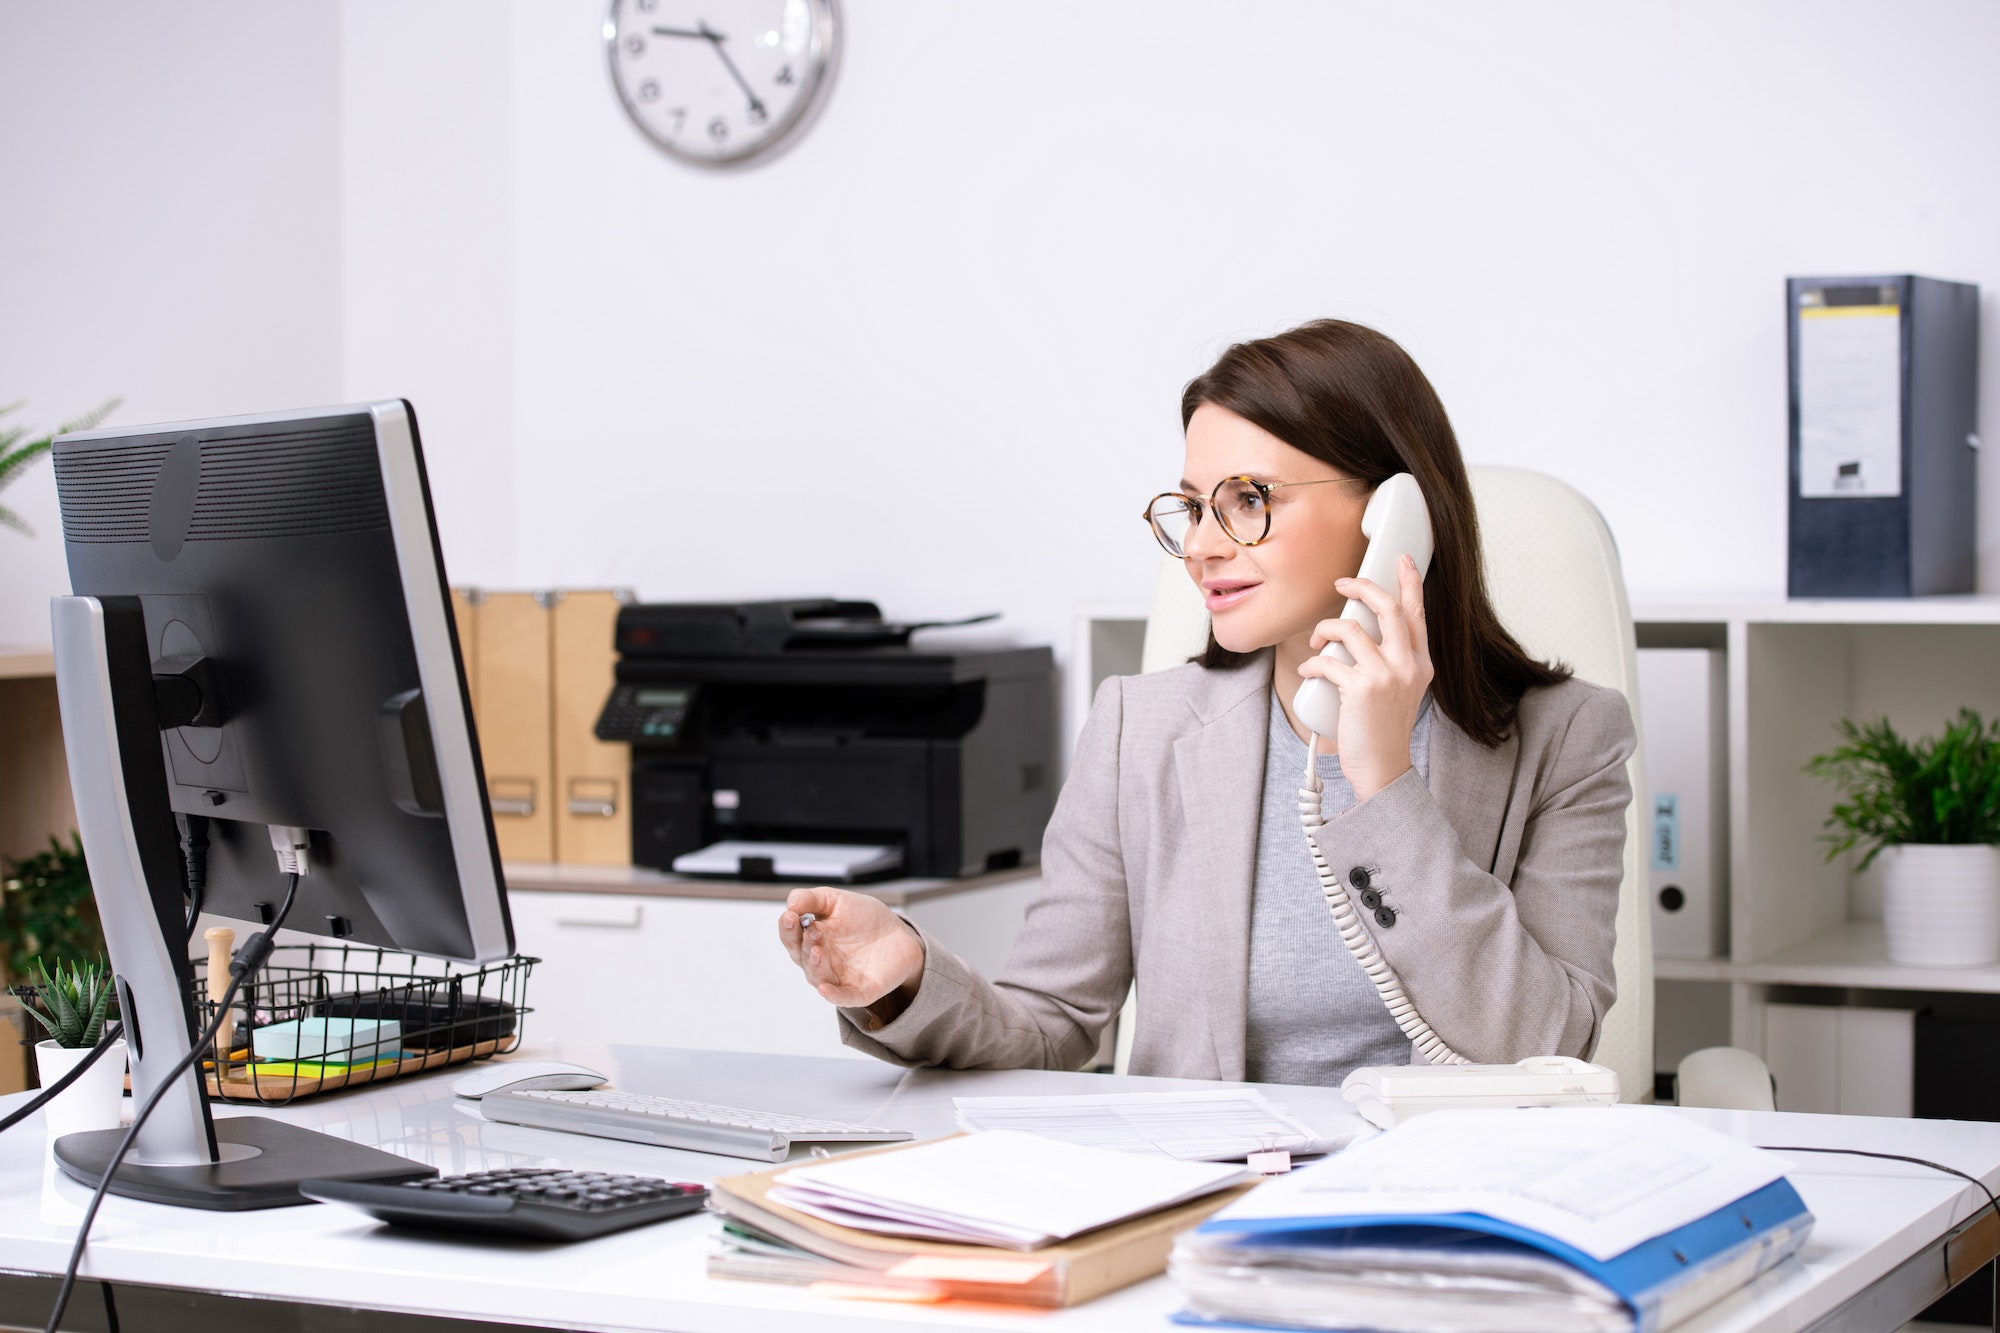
(336, 1016)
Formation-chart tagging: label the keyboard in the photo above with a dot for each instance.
(533, 1202)
(669, 1122)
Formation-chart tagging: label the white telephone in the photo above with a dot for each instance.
(1395, 522)
(1386, 1095)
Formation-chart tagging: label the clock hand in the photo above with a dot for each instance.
(716, 40)
(704, 34)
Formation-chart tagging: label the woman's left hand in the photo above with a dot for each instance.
(1381, 693)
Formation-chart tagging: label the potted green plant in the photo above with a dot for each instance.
(16, 456)
(47, 909)
(1930, 810)
(72, 1003)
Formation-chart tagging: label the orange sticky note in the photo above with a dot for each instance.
(945, 1268)
(854, 1291)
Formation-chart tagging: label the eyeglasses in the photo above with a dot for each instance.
(1242, 507)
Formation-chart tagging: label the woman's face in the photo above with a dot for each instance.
(1280, 588)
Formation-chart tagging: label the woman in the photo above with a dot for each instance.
(1475, 796)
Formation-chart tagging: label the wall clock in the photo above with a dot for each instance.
(721, 82)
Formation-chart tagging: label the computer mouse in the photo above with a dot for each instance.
(524, 1076)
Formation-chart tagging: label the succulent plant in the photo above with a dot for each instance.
(71, 1002)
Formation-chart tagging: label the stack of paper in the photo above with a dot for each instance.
(1008, 1189)
(769, 1241)
(341, 1040)
(1220, 1126)
(789, 860)
(1562, 1220)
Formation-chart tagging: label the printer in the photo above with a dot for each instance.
(817, 725)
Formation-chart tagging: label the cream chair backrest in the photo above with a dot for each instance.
(1552, 572)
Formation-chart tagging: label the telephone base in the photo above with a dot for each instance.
(1388, 1094)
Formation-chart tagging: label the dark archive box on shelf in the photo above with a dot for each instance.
(1884, 411)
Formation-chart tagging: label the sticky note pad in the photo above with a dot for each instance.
(315, 1068)
(342, 1039)
(954, 1268)
(850, 1291)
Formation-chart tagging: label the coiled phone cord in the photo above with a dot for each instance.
(1355, 935)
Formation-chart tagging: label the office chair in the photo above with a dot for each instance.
(1552, 572)
(1726, 1078)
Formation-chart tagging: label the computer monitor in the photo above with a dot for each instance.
(260, 634)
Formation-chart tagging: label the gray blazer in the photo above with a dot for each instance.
(1503, 874)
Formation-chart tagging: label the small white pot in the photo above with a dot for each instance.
(93, 1101)
(1941, 904)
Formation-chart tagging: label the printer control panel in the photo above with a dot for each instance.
(650, 713)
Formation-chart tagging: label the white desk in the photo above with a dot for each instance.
(1872, 1262)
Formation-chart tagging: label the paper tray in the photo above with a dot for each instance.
(826, 862)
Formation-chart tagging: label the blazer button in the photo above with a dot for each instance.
(1385, 917)
(1371, 899)
(1358, 877)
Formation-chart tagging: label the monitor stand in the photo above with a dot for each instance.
(261, 1162)
(111, 733)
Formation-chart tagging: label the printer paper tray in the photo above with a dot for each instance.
(823, 861)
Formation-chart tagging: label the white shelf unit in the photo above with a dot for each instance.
(1106, 639)
(1801, 928)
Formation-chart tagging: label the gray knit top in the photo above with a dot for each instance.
(1313, 1013)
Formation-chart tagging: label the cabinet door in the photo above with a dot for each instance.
(709, 973)
(704, 973)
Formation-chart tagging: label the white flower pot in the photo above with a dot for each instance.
(93, 1101)
(1941, 904)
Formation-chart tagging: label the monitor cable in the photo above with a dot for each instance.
(1992, 1201)
(194, 858)
(247, 960)
(194, 854)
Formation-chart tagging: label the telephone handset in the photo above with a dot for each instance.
(1395, 523)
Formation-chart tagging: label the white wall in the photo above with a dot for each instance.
(170, 229)
(974, 291)
(427, 248)
(932, 355)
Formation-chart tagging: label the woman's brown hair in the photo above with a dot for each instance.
(1351, 397)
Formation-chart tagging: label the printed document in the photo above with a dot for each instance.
(1850, 402)
(1602, 1179)
(1004, 1188)
(1221, 1126)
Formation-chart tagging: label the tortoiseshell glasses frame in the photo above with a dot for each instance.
(1242, 508)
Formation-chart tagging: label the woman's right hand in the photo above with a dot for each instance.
(856, 953)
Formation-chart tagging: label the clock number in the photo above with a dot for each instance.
(701, 96)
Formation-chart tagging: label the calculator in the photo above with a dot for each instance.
(532, 1203)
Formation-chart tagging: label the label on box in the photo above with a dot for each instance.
(1666, 831)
